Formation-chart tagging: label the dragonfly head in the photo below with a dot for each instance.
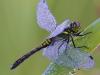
(74, 27)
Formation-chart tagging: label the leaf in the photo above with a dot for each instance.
(54, 69)
(91, 40)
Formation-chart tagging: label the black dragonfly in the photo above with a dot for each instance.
(62, 34)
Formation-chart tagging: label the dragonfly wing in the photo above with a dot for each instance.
(60, 28)
(88, 64)
(61, 53)
(55, 49)
(75, 58)
(45, 19)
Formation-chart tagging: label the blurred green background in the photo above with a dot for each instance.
(19, 32)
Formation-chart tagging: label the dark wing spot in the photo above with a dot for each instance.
(91, 57)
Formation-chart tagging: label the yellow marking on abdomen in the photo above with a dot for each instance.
(46, 42)
(65, 32)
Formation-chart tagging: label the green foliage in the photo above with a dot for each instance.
(54, 69)
(91, 40)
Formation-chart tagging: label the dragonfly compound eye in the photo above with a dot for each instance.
(75, 26)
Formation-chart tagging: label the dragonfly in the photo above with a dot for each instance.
(60, 34)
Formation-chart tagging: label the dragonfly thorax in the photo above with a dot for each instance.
(72, 29)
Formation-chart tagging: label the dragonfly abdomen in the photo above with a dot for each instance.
(47, 42)
(27, 55)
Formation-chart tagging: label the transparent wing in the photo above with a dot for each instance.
(75, 58)
(88, 64)
(60, 28)
(61, 53)
(55, 49)
(45, 19)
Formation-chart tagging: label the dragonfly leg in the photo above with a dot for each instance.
(83, 47)
(73, 41)
(79, 46)
(68, 39)
(60, 46)
(79, 34)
